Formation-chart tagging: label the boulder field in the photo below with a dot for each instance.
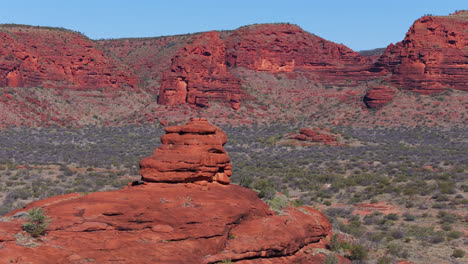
(190, 220)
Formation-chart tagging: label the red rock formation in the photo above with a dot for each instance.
(165, 223)
(148, 57)
(192, 152)
(432, 57)
(316, 135)
(57, 58)
(168, 223)
(286, 48)
(379, 96)
(199, 75)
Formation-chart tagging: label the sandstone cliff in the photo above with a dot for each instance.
(432, 57)
(57, 58)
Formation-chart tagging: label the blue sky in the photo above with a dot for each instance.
(357, 24)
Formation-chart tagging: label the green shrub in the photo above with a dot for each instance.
(458, 253)
(454, 234)
(384, 260)
(265, 189)
(37, 222)
(358, 252)
(331, 259)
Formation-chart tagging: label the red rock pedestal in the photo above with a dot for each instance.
(189, 153)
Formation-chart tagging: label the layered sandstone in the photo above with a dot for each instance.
(57, 58)
(199, 74)
(280, 48)
(154, 222)
(189, 153)
(379, 96)
(432, 57)
(316, 135)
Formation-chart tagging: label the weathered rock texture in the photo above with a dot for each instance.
(199, 74)
(287, 48)
(316, 135)
(191, 152)
(432, 57)
(203, 222)
(167, 223)
(379, 96)
(55, 58)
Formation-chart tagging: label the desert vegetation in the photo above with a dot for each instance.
(390, 193)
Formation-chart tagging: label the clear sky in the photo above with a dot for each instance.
(360, 25)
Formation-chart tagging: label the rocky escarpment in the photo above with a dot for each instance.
(192, 152)
(57, 58)
(287, 48)
(200, 222)
(432, 57)
(199, 74)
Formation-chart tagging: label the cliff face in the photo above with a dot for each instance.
(286, 48)
(54, 58)
(432, 57)
(199, 74)
(147, 57)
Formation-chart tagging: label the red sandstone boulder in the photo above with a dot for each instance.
(317, 135)
(167, 223)
(379, 96)
(432, 57)
(191, 152)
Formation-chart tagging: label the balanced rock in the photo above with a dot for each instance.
(189, 153)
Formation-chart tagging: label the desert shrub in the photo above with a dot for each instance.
(408, 217)
(458, 253)
(246, 181)
(37, 222)
(437, 237)
(278, 203)
(358, 252)
(392, 217)
(265, 189)
(384, 260)
(331, 259)
(397, 234)
(376, 236)
(446, 217)
(454, 234)
(397, 250)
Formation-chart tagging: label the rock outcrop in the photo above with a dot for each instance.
(280, 48)
(317, 135)
(57, 58)
(379, 96)
(189, 153)
(201, 222)
(199, 74)
(432, 57)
